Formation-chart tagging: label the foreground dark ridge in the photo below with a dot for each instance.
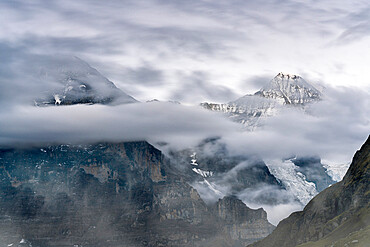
(338, 216)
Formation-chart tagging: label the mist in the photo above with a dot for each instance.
(333, 128)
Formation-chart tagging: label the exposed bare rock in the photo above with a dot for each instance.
(108, 194)
(244, 225)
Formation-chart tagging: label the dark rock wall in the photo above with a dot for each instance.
(123, 194)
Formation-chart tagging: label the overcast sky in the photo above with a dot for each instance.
(194, 51)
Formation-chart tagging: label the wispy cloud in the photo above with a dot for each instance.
(231, 42)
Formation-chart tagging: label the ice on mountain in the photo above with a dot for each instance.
(193, 160)
(213, 188)
(334, 170)
(57, 99)
(204, 174)
(23, 241)
(294, 181)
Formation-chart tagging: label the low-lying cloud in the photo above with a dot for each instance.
(157, 121)
(333, 128)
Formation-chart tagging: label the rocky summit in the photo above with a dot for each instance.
(282, 90)
(290, 89)
(112, 194)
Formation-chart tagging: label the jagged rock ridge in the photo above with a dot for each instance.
(238, 218)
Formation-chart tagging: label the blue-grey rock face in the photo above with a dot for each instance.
(314, 172)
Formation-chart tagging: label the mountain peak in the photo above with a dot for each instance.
(288, 76)
(74, 81)
(290, 89)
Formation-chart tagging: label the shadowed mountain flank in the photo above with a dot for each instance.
(337, 216)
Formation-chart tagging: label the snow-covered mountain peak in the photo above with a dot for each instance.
(70, 80)
(282, 90)
(290, 89)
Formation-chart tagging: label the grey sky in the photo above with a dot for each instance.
(229, 42)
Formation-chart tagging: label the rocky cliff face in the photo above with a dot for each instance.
(108, 194)
(338, 216)
(244, 225)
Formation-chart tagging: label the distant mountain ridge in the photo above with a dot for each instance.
(282, 90)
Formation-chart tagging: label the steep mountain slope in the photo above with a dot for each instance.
(107, 194)
(338, 216)
(73, 81)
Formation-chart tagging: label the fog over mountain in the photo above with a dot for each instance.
(261, 88)
(342, 116)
